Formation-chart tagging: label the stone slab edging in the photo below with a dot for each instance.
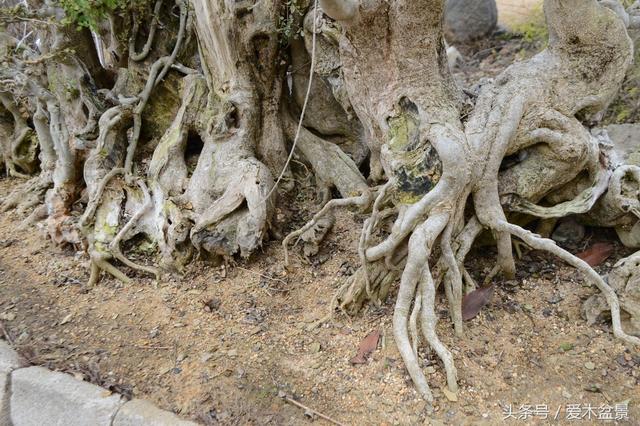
(35, 396)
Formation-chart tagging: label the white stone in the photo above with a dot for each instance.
(625, 139)
(139, 412)
(42, 397)
(466, 20)
(9, 361)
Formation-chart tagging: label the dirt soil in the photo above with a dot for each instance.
(224, 344)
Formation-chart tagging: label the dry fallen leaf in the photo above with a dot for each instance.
(66, 319)
(367, 346)
(473, 302)
(451, 396)
(597, 253)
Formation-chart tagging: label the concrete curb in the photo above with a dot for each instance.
(34, 396)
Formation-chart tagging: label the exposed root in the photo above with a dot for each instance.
(417, 271)
(361, 201)
(304, 104)
(114, 247)
(550, 246)
(408, 219)
(242, 211)
(626, 198)
(312, 238)
(581, 204)
(139, 56)
(453, 280)
(23, 197)
(469, 281)
(90, 210)
(158, 71)
(38, 214)
(365, 236)
(408, 105)
(101, 264)
(429, 318)
(93, 277)
(413, 322)
(353, 295)
(624, 278)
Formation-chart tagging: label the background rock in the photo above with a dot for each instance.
(9, 361)
(42, 397)
(467, 20)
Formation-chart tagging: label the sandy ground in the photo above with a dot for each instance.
(223, 345)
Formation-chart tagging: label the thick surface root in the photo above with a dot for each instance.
(624, 279)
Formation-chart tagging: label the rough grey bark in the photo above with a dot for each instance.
(625, 280)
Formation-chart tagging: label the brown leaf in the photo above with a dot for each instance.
(473, 302)
(367, 346)
(451, 396)
(597, 253)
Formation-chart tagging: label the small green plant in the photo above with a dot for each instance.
(288, 27)
(534, 29)
(89, 13)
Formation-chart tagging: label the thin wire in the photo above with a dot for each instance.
(304, 105)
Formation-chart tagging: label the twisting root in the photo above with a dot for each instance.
(152, 32)
(413, 322)
(465, 239)
(158, 71)
(539, 243)
(420, 246)
(95, 200)
(362, 201)
(108, 120)
(453, 280)
(99, 264)
(429, 320)
(114, 247)
(626, 204)
(407, 221)
(34, 188)
(486, 198)
(367, 229)
(581, 204)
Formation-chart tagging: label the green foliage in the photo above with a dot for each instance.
(288, 23)
(534, 30)
(89, 13)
